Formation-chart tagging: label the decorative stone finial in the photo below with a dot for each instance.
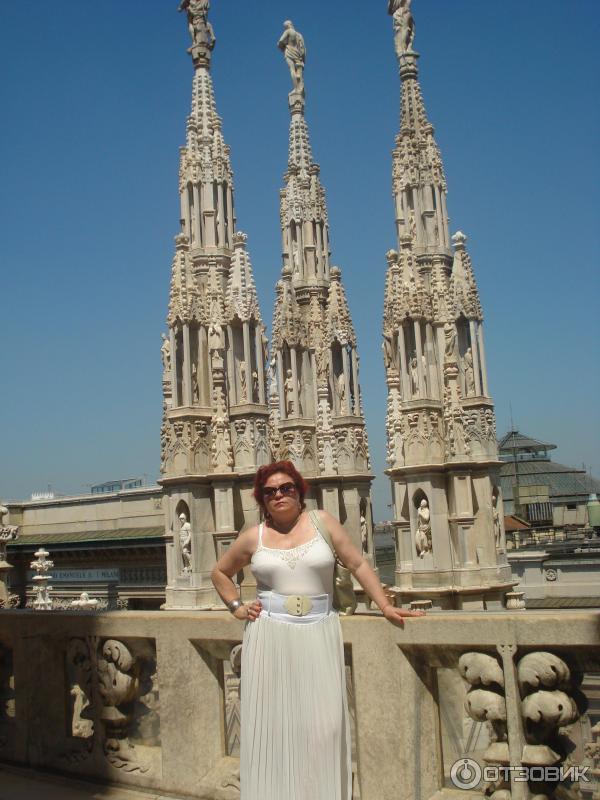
(459, 239)
(239, 239)
(335, 273)
(404, 27)
(201, 31)
(391, 256)
(292, 45)
(41, 580)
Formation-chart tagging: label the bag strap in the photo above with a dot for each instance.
(317, 522)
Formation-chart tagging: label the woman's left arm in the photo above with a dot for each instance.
(362, 571)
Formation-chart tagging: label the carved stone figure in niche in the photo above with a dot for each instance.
(221, 445)
(290, 403)
(264, 343)
(292, 45)
(457, 436)
(388, 351)
(341, 392)
(255, 386)
(423, 535)
(273, 378)
(497, 524)
(404, 26)
(216, 339)
(195, 387)
(199, 27)
(165, 352)
(412, 224)
(243, 383)
(469, 373)
(364, 534)
(398, 447)
(414, 377)
(295, 257)
(449, 341)
(185, 541)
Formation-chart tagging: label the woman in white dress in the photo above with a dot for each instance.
(295, 732)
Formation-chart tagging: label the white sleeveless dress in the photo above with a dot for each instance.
(295, 731)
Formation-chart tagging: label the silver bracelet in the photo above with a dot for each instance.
(233, 605)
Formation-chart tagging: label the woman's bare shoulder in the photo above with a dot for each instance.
(248, 538)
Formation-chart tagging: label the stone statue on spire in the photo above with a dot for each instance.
(404, 26)
(199, 27)
(292, 45)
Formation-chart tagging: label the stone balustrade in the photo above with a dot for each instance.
(151, 700)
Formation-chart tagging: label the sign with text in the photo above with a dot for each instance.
(80, 575)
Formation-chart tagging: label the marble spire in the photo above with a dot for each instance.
(441, 429)
(316, 416)
(215, 421)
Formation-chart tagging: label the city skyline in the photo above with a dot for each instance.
(91, 207)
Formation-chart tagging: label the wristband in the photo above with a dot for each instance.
(233, 605)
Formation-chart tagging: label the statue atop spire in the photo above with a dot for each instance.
(292, 44)
(201, 31)
(404, 26)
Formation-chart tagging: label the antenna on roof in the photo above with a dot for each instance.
(514, 448)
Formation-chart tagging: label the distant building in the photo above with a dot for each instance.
(120, 485)
(109, 543)
(545, 494)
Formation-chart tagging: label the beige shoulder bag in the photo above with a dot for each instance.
(344, 598)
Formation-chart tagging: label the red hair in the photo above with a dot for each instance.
(264, 473)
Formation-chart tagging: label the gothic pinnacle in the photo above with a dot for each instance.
(201, 31)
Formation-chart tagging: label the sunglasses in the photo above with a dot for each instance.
(286, 489)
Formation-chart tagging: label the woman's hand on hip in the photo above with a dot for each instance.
(396, 615)
(249, 611)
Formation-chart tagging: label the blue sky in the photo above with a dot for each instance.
(95, 98)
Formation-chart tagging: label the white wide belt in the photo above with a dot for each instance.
(295, 607)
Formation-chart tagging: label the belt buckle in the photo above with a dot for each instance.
(298, 605)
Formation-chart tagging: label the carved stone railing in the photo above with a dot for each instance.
(151, 700)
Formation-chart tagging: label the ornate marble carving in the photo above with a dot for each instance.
(469, 373)
(165, 352)
(118, 683)
(201, 31)
(79, 675)
(8, 533)
(185, 543)
(290, 388)
(85, 603)
(423, 534)
(7, 686)
(438, 411)
(113, 699)
(404, 26)
(292, 45)
(545, 700)
(41, 580)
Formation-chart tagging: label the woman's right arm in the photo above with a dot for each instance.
(234, 559)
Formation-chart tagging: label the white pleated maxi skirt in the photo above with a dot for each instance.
(295, 729)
